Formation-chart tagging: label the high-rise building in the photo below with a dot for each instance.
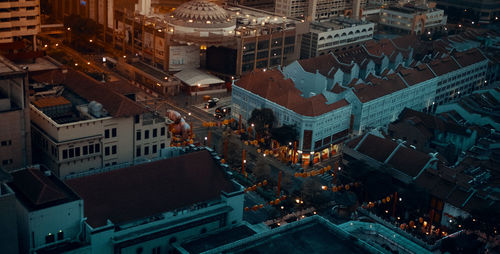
(19, 19)
(318, 9)
(15, 138)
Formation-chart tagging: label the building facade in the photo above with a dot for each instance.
(324, 37)
(321, 122)
(91, 127)
(317, 10)
(15, 140)
(485, 11)
(19, 19)
(412, 19)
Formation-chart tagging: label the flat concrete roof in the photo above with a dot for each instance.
(218, 239)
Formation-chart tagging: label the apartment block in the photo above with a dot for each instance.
(82, 125)
(15, 138)
(413, 19)
(19, 19)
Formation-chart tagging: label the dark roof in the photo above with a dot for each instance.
(218, 239)
(36, 190)
(409, 161)
(91, 90)
(149, 189)
(273, 86)
(469, 57)
(430, 122)
(376, 147)
(122, 87)
(416, 75)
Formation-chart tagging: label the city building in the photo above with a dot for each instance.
(8, 216)
(48, 212)
(322, 122)
(413, 19)
(399, 160)
(15, 137)
(20, 19)
(460, 74)
(310, 235)
(320, 9)
(324, 37)
(79, 124)
(428, 133)
(481, 108)
(484, 11)
(172, 201)
(226, 41)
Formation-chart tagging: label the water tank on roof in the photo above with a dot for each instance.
(95, 109)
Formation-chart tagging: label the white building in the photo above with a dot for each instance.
(325, 37)
(459, 74)
(48, 212)
(19, 19)
(88, 126)
(322, 121)
(412, 19)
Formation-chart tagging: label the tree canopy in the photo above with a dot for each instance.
(262, 119)
(285, 134)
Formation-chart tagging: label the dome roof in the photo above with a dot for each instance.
(200, 11)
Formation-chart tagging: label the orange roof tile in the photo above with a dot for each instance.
(273, 86)
(50, 102)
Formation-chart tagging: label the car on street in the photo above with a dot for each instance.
(210, 104)
(222, 112)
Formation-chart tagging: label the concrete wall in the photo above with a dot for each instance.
(8, 220)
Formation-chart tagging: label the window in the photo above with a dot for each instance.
(97, 148)
(7, 162)
(77, 151)
(162, 131)
(162, 145)
(146, 150)
(137, 119)
(49, 238)
(154, 149)
(138, 135)
(65, 154)
(138, 151)
(106, 150)
(6, 143)
(71, 152)
(106, 133)
(156, 250)
(60, 235)
(113, 132)
(113, 149)
(85, 150)
(146, 134)
(155, 133)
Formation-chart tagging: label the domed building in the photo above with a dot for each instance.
(201, 18)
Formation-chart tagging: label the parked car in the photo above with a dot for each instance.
(223, 111)
(210, 103)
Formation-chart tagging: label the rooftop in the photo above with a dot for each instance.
(37, 190)
(310, 235)
(218, 239)
(89, 89)
(337, 23)
(379, 87)
(273, 86)
(149, 189)
(193, 77)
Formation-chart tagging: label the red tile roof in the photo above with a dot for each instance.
(376, 147)
(416, 75)
(148, 189)
(122, 87)
(37, 190)
(469, 57)
(50, 102)
(326, 65)
(409, 161)
(91, 90)
(273, 86)
(445, 65)
(379, 87)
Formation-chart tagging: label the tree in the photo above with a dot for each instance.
(262, 170)
(285, 134)
(262, 119)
